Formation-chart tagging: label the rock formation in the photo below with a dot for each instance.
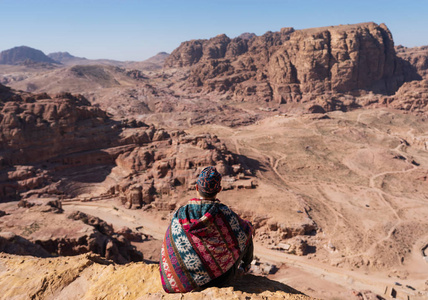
(91, 277)
(417, 58)
(36, 129)
(295, 65)
(172, 162)
(39, 127)
(412, 96)
(43, 139)
(24, 54)
(15, 244)
(44, 231)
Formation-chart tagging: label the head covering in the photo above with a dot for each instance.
(209, 181)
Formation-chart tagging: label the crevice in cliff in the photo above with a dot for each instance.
(330, 59)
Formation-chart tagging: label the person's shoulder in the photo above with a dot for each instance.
(226, 209)
(183, 207)
(222, 205)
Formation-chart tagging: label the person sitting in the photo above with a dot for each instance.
(206, 243)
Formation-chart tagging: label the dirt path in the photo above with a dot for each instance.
(348, 279)
(118, 217)
(244, 139)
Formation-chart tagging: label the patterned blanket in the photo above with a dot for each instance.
(204, 240)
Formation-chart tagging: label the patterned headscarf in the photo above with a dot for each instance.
(209, 181)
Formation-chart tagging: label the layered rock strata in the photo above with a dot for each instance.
(295, 65)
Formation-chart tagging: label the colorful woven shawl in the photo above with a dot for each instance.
(203, 241)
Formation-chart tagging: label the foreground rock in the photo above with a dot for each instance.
(90, 277)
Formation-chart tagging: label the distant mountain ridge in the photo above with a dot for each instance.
(155, 62)
(158, 58)
(63, 57)
(68, 59)
(27, 55)
(22, 54)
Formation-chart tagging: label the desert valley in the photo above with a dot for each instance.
(321, 136)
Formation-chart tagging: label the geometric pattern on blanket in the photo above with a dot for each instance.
(203, 241)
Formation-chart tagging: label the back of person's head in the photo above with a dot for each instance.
(209, 182)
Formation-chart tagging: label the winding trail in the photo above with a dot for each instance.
(395, 211)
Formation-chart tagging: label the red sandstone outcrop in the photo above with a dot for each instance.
(172, 162)
(15, 244)
(51, 145)
(39, 128)
(417, 58)
(295, 65)
(412, 96)
(40, 133)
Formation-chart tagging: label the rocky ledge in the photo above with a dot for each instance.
(89, 276)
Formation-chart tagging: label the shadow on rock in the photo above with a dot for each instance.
(15, 244)
(258, 284)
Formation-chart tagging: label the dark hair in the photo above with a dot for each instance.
(206, 195)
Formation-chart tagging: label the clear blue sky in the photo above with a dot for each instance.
(136, 30)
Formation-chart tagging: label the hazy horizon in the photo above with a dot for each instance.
(136, 30)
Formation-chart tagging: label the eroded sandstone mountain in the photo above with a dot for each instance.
(295, 65)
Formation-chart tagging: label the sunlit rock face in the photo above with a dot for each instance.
(92, 277)
(295, 65)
